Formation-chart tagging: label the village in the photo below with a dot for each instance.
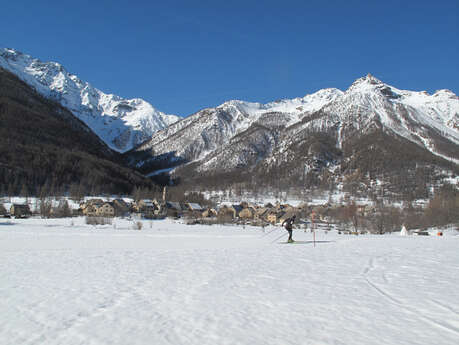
(243, 212)
(154, 209)
(96, 210)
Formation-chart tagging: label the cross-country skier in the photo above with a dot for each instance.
(288, 225)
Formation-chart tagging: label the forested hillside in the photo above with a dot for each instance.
(45, 149)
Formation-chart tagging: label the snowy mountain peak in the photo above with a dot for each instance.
(369, 79)
(121, 123)
(367, 84)
(445, 93)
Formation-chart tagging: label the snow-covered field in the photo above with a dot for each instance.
(64, 282)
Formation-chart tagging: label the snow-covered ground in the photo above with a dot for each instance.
(65, 282)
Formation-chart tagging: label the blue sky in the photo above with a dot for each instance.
(187, 55)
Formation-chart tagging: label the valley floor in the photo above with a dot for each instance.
(65, 282)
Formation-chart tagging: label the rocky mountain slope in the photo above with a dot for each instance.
(240, 134)
(120, 123)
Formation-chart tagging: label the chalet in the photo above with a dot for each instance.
(20, 211)
(261, 213)
(82, 207)
(229, 212)
(89, 210)
(106, 210)
(247, 213)
(147, 206)
(148, 209)
(193, 209)
(121, 208)
(209, 213)
(173, 209)
(274, 217)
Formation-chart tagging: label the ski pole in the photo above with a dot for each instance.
(278, 238)
(269, 232)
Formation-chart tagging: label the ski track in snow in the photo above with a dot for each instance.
(420, 313)
(177, 284)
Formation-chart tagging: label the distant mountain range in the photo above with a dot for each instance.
(372, 129)
(316, 128)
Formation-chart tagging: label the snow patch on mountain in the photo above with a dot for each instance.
(121, 123)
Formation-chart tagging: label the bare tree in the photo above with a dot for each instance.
(45, 207)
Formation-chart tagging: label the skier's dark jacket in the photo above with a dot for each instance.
(288, 223)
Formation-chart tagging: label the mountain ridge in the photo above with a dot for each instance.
(367, 102)
(322, 131)
(120, 123)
